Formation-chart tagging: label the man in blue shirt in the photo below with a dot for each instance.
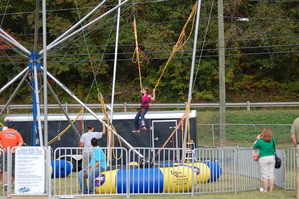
(96, 166)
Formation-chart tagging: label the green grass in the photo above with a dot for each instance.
(243, 134)
(278, 193)
(256, 116)
(255, 194)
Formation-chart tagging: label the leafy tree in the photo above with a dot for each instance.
(261, 52)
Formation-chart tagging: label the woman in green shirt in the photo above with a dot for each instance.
(265, 143)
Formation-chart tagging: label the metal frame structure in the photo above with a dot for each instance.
(35, 69)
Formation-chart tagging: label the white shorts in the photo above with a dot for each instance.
(267, 166)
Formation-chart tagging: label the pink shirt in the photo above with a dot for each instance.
(145, 100)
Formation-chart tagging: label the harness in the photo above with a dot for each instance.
(144, 104)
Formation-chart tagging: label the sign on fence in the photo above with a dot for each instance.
(30, 170)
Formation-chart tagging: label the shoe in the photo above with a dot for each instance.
(144, 128)
(136, 131)
(6, 187)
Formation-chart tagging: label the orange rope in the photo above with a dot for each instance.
(179, 47)
(110, 136)
(64, 130)
(136, 52)
(174, 131)
(181, 41)
(186, 131)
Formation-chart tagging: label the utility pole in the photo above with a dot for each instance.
(222, 114)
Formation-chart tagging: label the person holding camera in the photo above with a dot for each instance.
(266, 143)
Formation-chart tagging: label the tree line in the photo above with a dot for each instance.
(261, 41)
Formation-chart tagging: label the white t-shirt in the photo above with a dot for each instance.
(86, 139)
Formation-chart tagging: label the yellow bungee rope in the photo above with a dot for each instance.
(63, 131)
(177, 47)
(181, 41)
(110, 136)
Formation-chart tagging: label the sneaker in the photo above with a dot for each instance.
(6, 186)
(136, 131)
(144, 128)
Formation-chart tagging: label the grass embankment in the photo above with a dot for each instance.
(243, 126)
(256, 116)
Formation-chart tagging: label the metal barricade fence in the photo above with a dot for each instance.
(167, 171)
(290, 168)
(2, 167)
(171, 171)
(65, 179)
(222, 179)
(238, 170)
(280, 174)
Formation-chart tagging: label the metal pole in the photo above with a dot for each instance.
(9, 171)
(37, 2)
(48, 174)
(192, 71)
(45, 80)
(74, 26)
(213, 135)
(14, 93)
(86, 26)
(222, 107)
(10, 39)
(61, 107)
(37, 102)
(194, 50)
(14, 79)
(115, 62)
(35, 67)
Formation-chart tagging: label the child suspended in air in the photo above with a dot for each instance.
(146, 97)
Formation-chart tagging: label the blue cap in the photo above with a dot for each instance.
(10, 123)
